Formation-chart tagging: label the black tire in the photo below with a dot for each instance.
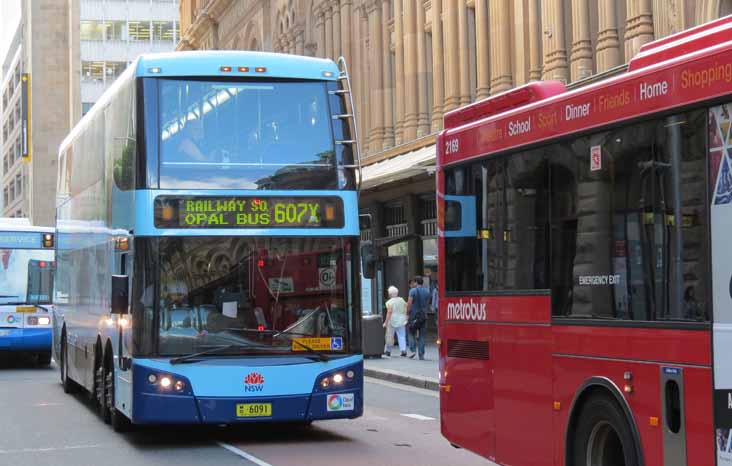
(603, 436)
(119, 422)
(100, 392)
(44, 359)
(69, 385)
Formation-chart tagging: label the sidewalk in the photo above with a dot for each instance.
(422, 374)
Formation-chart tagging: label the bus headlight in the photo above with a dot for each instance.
(44, 320)
(166, 382)
(338, 378)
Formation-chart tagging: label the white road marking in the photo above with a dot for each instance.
(418, 417)
(399, 386)
(243, 454)
(48, 449)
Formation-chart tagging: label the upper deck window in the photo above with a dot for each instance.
(245, 135)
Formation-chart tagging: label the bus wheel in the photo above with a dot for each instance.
(99, 388)
(603, 436)
(68, 384)
(119, 421)
(44, 359)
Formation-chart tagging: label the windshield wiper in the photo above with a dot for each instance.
(318, 355)
(213, 351)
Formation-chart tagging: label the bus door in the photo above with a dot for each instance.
(720, 160)
(467, 396)
(123, 339)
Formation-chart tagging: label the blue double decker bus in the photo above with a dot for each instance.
(26, 288)
(207, 225)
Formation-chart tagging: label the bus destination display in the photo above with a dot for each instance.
(248, 212)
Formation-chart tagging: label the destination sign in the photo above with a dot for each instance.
(248, 212)
(20, 240)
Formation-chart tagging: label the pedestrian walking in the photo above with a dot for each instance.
(417, 305)
(396, 321)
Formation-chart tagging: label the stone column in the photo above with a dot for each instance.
(399, 71)
(328, 32)
(464, 50)
(500, 31)
(438, 69)
(555, 50)
(535, 34)
(410, 70)
(388, 81)
(376, 76)
(608, 42)
(482, 50)
(451, 52)
(320, 26)
(346, 31)
(365, 85)
(423, 123)
(581, 54)
(336, 9)
(639, 28)
(300, 42)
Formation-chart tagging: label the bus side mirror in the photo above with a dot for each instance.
(120, 294)
(368, 261)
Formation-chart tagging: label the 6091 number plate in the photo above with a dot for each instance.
(254, 410)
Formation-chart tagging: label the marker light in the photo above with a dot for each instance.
(327, 74)
(42, 264)
(329, 212)
(154, 69)
(110, 322)
(350, 374)
(165, 382)
(48, 240)
(225, 69)
(338, 378)
(243, 69)
(152, 378)
(124, 322)
(179, 385)
(260, 69)
(260, 328)
(325, 382)
(260, 263)
(44, 320)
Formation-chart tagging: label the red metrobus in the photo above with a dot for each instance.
(586, 246)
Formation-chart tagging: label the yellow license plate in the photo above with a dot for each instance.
(254, 410)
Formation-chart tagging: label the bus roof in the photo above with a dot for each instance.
(22, 224)
(679, 70)
(256, 64)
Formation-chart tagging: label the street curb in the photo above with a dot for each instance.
(402, 378)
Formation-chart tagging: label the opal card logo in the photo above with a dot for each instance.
(340, 402)
(254, 382)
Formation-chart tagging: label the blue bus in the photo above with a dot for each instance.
(207, 221)
(26, 288)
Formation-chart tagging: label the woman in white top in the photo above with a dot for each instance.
(396, 321)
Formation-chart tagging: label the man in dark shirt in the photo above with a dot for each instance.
(417, 305)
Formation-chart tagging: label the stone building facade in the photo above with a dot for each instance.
(410, 61)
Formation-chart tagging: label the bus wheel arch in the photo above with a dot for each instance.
(67, 383)
(601, 392)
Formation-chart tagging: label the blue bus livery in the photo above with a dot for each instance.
(26, 288)
(207, 221)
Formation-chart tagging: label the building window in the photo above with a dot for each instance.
(163, 30)
(18, 185)
(85, 107)
(92, 71)
(114, 30)
(113, 69)
(139, 30)
(92, 30)
(6, 196)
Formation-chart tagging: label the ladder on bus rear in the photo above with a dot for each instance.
(350, 116)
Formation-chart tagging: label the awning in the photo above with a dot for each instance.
(399, 167)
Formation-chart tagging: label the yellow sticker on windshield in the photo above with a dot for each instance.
(25, 309)
(317, 344)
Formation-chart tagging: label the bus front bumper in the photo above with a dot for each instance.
(184, 407)
(25, 339)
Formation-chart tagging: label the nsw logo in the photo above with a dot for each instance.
(254, 382)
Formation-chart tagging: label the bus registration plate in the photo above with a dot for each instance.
(254, 410)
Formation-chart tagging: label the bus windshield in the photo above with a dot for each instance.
(256, 292)
(245, 135)
(26, 276)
